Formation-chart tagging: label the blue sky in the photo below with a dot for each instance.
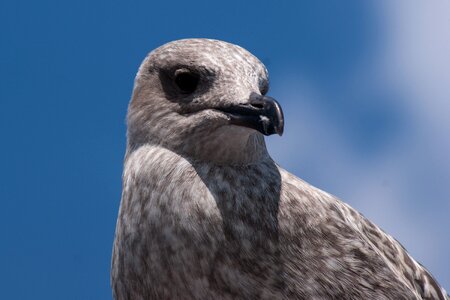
(364, 86)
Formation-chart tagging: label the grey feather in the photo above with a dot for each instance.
(207, 214)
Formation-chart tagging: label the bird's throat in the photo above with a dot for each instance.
(230, 145)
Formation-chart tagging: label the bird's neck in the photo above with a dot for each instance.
(225, 146)
(232, 146)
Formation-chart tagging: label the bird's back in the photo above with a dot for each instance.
(335, 252)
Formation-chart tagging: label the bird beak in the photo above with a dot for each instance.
(261, 113)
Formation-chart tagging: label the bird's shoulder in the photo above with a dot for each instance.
(328, 215)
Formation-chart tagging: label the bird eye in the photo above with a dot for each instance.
(186, 80)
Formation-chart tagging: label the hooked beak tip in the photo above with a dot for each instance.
(278, 118)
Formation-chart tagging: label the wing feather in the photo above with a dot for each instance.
(412, 273)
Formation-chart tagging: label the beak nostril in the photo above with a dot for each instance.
(257, 105)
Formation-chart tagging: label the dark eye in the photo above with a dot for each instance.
(186, 80)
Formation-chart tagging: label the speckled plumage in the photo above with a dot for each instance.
(207, 214)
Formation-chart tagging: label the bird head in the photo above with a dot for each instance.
(205, 99)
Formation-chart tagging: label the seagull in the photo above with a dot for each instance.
(207, 214)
